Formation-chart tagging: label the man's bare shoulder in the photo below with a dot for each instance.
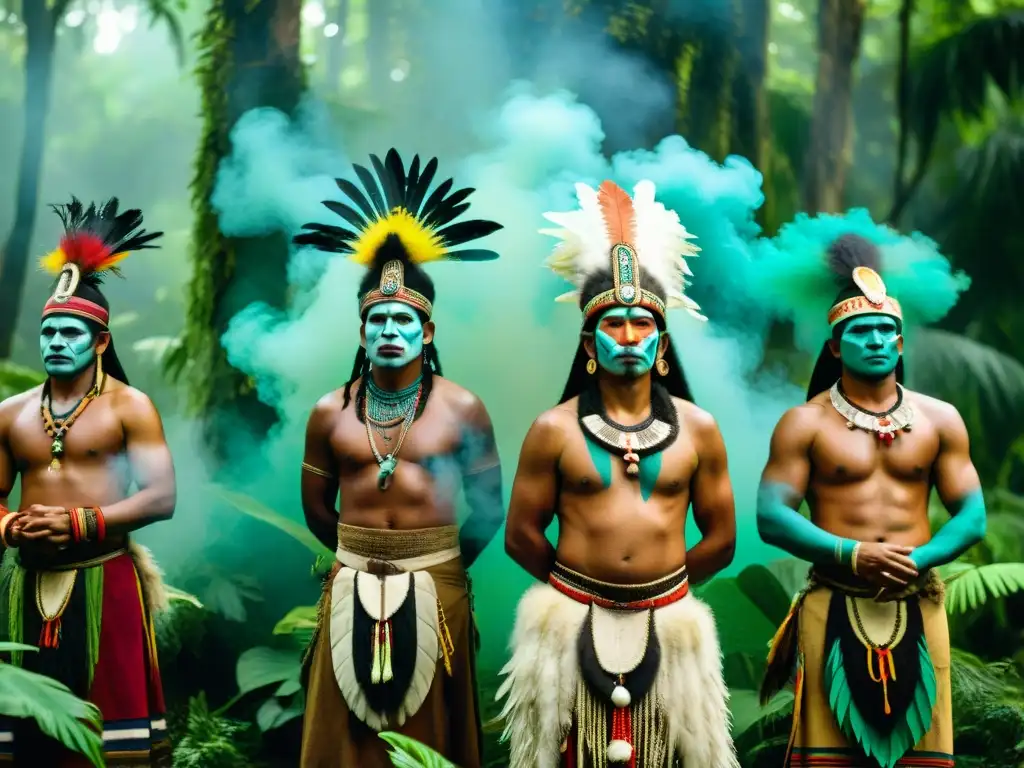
(11, 406)
(554, 425)
(940, 413)
(124, 396)
(461, 400)
(693, 416)
(806, 417)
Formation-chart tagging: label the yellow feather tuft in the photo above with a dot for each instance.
(421, 242)
(113, 260)
(53, 262)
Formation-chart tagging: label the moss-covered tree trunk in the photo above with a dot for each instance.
(40, 19)
(751, 129)
(250, 59)
(840, 27)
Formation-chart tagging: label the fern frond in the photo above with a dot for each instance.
(969, 586)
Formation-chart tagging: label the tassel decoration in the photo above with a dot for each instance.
(49, 635)
(380, 650)
(620, 748)
(447, 646)
(886, 672)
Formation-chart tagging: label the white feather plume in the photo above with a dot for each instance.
(662, 244)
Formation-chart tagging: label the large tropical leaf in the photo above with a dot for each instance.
(952, 75)
(251, 507)
(958, 369)
(261, 666)
(969, 586)
(177, 595)
(409, 753)
(746, 709)
(17, 378)
(59, 713)
(298, 622)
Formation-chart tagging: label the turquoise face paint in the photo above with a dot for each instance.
(67, 345)
(627, 341)
(394, 335)
(602, 461)
(869, 346)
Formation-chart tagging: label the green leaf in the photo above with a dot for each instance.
(747, 711)
(409, 753)
(261, 666)
(760, 585)
(969, 586)
(6, 647)
(254, 509)
(299, 619)
(272, 714)
(17, 378)
(742, 626)
(59, 713)
(178, 595)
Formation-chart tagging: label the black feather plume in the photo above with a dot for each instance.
(849, 252)
(389, 186)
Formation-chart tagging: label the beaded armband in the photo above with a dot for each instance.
(87, 524)
(845, 553)
(316, 471)
(6, 516)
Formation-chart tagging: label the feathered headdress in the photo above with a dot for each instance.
(640, 242)
(874, 267)
(95, 241)
(396, 226)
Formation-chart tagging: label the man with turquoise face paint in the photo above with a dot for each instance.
(867, 638)
(614, 662)
(94, 467)
(396, 647)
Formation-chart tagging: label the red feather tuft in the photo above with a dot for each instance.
(619, 216)
(86, 250)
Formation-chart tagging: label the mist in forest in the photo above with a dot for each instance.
(522, 135)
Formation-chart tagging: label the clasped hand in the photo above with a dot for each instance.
(885, 565)
(40, 523)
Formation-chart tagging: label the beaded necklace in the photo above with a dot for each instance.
(383, 409)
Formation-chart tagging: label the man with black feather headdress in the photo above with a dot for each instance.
(395, 648)
(613, 660)
(867, 639)
(74, 583)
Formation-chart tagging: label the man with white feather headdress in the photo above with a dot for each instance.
(613, 661)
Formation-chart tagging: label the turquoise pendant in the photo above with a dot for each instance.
(387, 469)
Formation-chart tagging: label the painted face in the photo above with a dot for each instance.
(67, 345)
(627, 341)
(869, 346)
(394, 335)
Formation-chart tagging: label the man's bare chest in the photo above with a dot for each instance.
(95, 435)
(430, 438)
(842, 455)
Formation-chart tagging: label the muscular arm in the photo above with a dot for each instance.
(714, 510)
(151, 465)
(320, 474)
(481, 483)
(8, 473)
(534, 499)
(957, 483)
(783, 486)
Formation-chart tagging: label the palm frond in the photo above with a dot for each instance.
(406, 752)
(166, 13)
(178, 595)
(970, 586)
(952, 75)
(955, 368)
(247, 505)
(57, 711)
(16, 378)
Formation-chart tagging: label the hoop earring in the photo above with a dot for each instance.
(591, 366)
(661, 366)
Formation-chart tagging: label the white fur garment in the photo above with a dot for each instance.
(541, 678)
